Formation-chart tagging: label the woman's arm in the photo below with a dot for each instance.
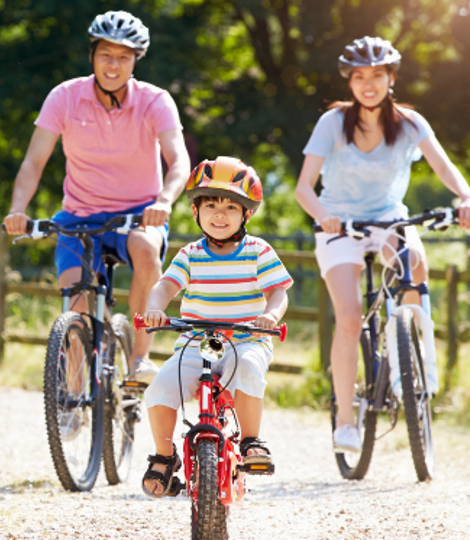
(308, 199)
(449, 175)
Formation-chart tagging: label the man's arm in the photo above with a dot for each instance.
(176, 156)
(39, 151)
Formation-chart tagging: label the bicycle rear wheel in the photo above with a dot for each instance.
(205, 492)
(121, 406)
(74, 421)
(352, 465)
(416, 400)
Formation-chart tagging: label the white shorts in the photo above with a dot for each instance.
(253, 364)
(348, 250)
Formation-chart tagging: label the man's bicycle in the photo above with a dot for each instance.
(90, 407)
(213, 467)
(397, 342)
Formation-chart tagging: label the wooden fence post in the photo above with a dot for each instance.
(325, 324)
(3, 290)
(452, 280)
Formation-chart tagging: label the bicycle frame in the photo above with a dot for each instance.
(211, 425)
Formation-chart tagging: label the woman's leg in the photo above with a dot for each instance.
(343, 282)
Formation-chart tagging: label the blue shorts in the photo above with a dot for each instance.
(69, 249)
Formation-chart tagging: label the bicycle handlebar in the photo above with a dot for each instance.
(176, 324)
(40, 228)
(442, 218)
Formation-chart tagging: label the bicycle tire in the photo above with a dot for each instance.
(415, 396)
(205, 495)
(220, 531)
(354, 466)
(74, 422)
(119, 420)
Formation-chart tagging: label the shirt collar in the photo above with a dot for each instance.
(89, 93)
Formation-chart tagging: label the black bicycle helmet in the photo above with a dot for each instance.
(122, 28)
(368, 51)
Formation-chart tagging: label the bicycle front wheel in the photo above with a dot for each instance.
(121, 406)
(416, 400)
(74, 420)
(352, 465)
(205, 492)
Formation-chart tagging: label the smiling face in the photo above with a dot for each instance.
(370, 85)
(220, 218)
(113, 64)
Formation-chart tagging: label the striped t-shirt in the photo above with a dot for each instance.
(227, 287)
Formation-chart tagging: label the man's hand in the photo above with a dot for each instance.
(156, 214)
(155, 317)
(15, 223)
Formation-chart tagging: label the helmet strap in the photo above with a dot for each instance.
(236, 237)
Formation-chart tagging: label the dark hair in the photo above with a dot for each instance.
(391, 118)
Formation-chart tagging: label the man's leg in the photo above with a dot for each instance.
(75, 373)
(144, 249)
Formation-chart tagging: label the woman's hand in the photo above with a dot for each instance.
(331, 224)
(464, 214)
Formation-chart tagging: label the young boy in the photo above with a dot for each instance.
(227, 276)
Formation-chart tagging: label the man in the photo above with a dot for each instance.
(113, 129)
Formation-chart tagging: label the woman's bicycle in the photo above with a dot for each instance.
(90, 407)
(397, 342)
(213, 467)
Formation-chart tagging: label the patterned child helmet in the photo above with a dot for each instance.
(122, 28)
(226, 177)
(368, 51)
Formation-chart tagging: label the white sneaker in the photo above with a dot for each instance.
(346, 439)
(142, 370)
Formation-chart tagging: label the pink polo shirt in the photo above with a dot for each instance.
(113, 158)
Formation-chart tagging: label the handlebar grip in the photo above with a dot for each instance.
(283, 329)
(29, 226)
(140, 323)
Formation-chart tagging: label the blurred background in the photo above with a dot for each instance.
(250, 78)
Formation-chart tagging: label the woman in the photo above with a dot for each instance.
(364, 150)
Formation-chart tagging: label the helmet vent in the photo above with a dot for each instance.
(239, 176)
(208, 171)
(120, 23)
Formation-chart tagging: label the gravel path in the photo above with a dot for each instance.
(305, 499)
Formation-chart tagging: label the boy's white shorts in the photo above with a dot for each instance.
(351, 251)
(253, 364)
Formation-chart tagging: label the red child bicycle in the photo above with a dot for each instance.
(213, 467)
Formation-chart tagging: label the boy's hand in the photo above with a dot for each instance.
(155, 317)
(267, 320)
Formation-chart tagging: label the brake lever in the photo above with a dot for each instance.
(342, 235)
(445, 222)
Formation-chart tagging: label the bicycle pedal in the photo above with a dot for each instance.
(134, 385)
(176, 487)
(257, 468)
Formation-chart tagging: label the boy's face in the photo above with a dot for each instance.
(220, 218)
